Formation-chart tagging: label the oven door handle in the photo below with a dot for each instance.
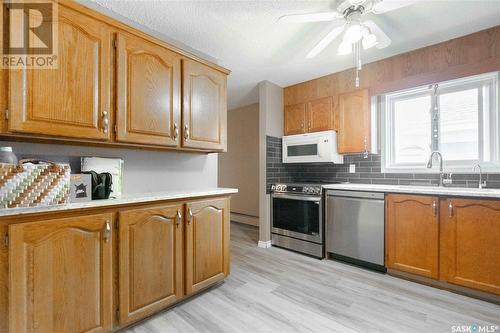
(296, 197)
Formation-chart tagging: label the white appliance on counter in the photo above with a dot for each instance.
(318, 147)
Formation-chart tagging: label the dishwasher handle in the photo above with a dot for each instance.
(356, 194)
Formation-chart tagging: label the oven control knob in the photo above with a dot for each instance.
(273, 187)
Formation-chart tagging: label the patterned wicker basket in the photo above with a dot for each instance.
(33, 183)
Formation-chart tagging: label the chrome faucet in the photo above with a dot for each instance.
(441, 172)
(481, 183)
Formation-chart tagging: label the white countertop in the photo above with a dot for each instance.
(410, 189)
(124, 200)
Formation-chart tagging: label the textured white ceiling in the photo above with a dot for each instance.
(245, 37)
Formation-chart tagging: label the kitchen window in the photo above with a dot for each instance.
(459, 118)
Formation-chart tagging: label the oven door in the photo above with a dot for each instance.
(297, 216)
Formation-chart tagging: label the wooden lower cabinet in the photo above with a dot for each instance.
(61, 275)
(470, 243)
(412, 234)
(73, 274)
(150, 260)
(207, 243)
(457, 243)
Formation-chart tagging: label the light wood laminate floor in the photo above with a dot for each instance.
(274, 290)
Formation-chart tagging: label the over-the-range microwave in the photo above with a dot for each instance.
(319, 147)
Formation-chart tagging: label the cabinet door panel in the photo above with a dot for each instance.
(412, 228)
(61, 275)
(295, 117)
(205, 106)
(150, 260)
(470, 245)
(320, 115)
(148, 95)
(207, 243)
(354, 122)
(72, 100)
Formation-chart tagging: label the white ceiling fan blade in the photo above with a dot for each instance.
(383, 40)
(384, 6)
(314, 17)
(325, 41)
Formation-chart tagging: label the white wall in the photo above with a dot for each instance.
(144, 171)
(270, 123)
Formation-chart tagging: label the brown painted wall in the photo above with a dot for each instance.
(464, 56)
(239, 166)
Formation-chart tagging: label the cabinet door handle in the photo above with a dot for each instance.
(105, 121)
(176, 131)
(434, 209)
(107, 232)
(190, 216)
(178, 218)
(186, 132)
(450, 209)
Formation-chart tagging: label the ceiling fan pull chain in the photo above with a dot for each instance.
(360, 66)
(358, 61)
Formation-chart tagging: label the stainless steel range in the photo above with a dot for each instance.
(297, 218)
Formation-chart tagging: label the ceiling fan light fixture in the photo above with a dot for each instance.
(369, 41)
(345, 48)
(353, 33)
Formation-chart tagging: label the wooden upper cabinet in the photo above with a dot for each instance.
(150, 260)
(295, 119)
(73, 100)
(412, 234)
(204, 115)
(148, 92)
(354, 122)
(207, 243)
(470, 243)
(314, 116)
(61, 275)
(321, 115)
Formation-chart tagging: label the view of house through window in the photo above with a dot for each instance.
(459, 118)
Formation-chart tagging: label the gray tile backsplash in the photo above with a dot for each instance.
(367, 171)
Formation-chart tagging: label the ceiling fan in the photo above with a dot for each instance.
(358, 33)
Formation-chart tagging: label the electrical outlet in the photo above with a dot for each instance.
(352, 168)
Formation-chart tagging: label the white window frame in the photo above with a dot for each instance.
(489, 80)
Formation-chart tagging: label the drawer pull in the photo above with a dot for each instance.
(105, 121)
(176, 131)
(107, 232)
(178, 218)
(450, 209)
(434, 208)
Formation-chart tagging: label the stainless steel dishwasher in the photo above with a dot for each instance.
(355, 227)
